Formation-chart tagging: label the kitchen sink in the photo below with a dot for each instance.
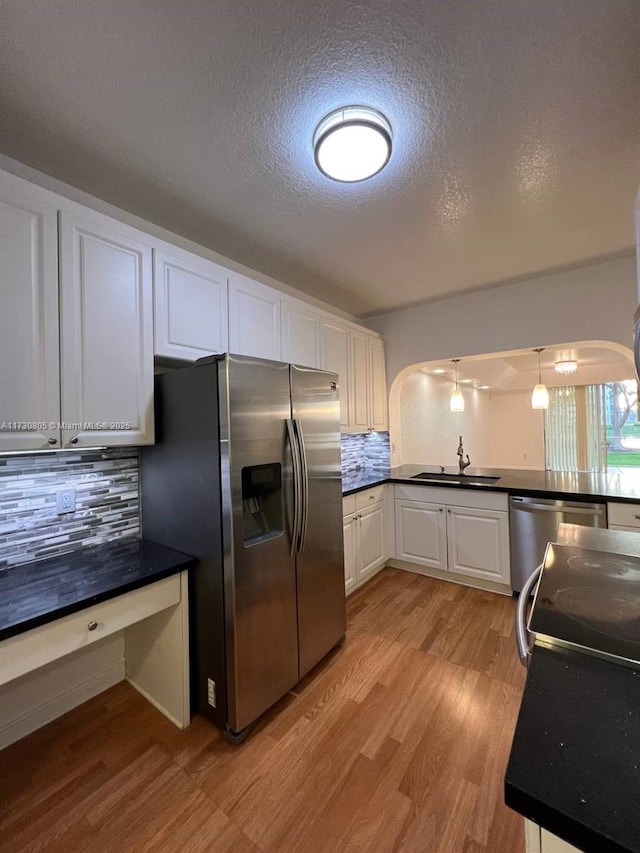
(472, 479)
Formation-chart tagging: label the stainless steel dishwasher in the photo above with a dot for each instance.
(534, 521)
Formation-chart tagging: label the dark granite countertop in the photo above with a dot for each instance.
(35, 593)
(575, 761)
(550, 484)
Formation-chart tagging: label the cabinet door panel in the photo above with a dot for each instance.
(478, 543)
(349, 532)
(300, 334)
(552, 844)
(190, 301)
(370, 540)
(254, 319)
(29, 357)
(421, 535)
(107, 333)
(359, 382)
(379, 408)
(335, 344)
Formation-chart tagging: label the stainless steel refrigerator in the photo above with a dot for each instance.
(245, 475)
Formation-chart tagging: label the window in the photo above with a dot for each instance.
(593, 427)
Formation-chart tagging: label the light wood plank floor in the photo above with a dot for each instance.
(398, 742)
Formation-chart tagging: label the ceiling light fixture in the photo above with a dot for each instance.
(484, 387)
(438, 370)
(540, 395)
(352, 144)
(569, 365)
(466, 381)
(456, 402)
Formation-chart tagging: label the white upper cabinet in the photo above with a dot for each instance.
(190, 305)
(300, 333)
(335, 343)
(254, 318)
(29, 357)
(360, 419)
(378, 385)
(106, 331)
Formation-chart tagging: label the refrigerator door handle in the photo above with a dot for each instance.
(297, 485)
(304, 481)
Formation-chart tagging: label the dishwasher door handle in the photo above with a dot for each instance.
(524, 638)
(565, 510)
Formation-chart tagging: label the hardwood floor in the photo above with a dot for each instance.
(398, 742)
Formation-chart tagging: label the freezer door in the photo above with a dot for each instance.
(259, 570)
(320, 558)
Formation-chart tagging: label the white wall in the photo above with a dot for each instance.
(429, 431)
(592, 303)
(516, 431)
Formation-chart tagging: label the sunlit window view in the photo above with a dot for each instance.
(593, 428)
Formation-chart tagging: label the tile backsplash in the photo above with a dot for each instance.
(365, 451)
(107, 507)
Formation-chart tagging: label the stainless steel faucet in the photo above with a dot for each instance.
(461, 463)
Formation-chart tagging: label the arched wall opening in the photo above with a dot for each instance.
(499, 427)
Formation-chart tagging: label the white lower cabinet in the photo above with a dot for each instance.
(421, 533)
(624, 516)
(365, 539)
(466, 539)
(478, 543)
(541, 841)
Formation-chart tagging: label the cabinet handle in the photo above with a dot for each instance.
(449, 511)
(73, 440)
(52, 440)
(92, 625)
(440, 509)
(637, 516)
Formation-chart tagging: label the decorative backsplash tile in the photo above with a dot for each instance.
(107, 507)
(365, 451)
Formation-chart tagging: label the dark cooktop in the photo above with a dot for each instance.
(589, 601)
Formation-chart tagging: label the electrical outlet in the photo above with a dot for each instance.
(65, 501)
(211, 692)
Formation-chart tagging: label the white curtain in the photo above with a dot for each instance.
(575, 437)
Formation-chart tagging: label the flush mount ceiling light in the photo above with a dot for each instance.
(352, 144)
(570, 365)
(438, 370)
(540, 396)
(456, 401)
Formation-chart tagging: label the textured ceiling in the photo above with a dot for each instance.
(515, 125)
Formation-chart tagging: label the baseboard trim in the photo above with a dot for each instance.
(155, 703)
(35, 718)
(451, 577)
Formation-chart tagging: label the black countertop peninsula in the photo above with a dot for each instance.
(574, 767)
(544, 484)
(33, 594)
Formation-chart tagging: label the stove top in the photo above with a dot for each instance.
(589, 601)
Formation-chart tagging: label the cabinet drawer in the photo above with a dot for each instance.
(624, 515)
(28, 651)
(369, 497)
(348, 505)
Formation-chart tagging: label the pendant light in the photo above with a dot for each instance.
(540, 396)
(456, 402)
